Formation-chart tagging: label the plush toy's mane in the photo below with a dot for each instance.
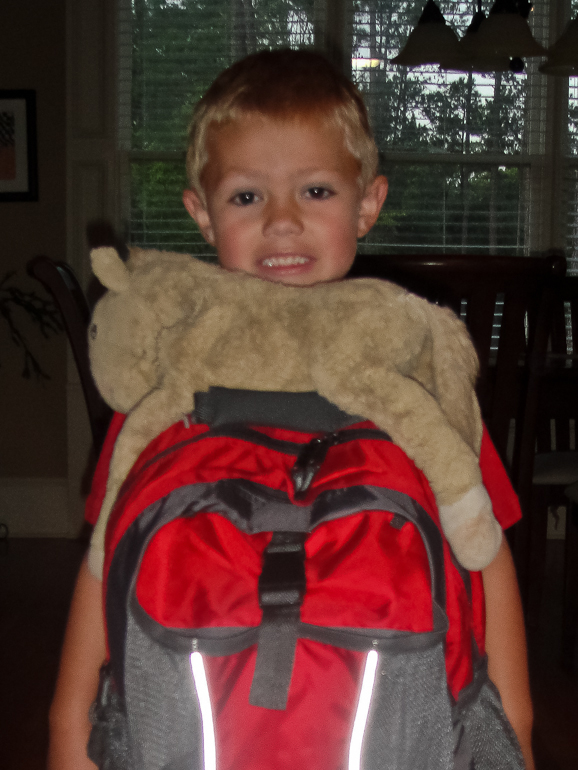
(171, 325)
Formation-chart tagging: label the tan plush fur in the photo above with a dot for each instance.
(171, 325)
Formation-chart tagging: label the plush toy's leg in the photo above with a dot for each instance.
(154, 414)
(469, 522)
(415, 421)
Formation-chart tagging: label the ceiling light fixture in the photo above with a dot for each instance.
(563, 55)
(470, 59)
(506, 32)
(432, 41)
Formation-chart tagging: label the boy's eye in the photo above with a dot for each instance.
(319, 193)
(244, 198)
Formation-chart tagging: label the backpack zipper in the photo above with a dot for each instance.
(312, 453)
(311, 456)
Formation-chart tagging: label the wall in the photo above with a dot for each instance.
(33, 450)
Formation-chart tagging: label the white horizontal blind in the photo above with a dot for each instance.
(452, 207)
(463, 153)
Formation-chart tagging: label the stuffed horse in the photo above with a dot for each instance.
(171, 325)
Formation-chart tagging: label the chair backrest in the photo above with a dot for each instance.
(59, 280)
(558, 407)
(505, 303)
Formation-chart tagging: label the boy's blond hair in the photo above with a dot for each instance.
(286, 85)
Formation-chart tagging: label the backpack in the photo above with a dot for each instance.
(283, 597)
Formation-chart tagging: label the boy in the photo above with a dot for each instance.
(283, 180)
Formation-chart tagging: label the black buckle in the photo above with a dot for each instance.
(282, 579)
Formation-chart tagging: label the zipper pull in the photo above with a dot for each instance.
(308, 462)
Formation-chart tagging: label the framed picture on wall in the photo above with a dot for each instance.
(18, 158)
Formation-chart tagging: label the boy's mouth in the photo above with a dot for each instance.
(289, 260)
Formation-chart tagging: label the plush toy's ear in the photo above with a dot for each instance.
(109, 268)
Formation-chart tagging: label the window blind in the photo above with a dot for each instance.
(170, 52)
(464, 154)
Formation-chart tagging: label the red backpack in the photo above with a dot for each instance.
(282, 598)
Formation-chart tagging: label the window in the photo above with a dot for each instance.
(474, 162)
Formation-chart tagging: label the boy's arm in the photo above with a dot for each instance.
(83, 653)
(506, 646)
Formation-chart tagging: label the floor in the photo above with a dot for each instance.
(554, 690)
(36, 578)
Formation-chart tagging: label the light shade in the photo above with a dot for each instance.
(431, 42)
(505, 33)
(563, 55)
(470, 59)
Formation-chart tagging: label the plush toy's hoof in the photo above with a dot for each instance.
(471, 529)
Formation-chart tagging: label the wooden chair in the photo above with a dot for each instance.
(506, 303)
(555, 474)
(59, 280)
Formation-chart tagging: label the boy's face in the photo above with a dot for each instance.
(283, 201)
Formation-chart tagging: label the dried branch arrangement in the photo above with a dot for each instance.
(42, 312)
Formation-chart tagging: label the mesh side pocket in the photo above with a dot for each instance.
(109, 743)
(410, 724)
(162, 705)
(486, 729)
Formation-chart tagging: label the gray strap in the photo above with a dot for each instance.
(275, 658)
(281, 591)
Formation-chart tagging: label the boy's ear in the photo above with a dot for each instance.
(371, 203)
(197, 209)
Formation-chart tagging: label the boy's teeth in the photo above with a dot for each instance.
(284, 261)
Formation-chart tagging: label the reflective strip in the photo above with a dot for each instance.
(362, 713)
(200, 677)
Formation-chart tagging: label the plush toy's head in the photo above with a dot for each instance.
(122, 345)
(122, 337)
(145, 296)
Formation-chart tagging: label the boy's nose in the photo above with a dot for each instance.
(282, 217)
